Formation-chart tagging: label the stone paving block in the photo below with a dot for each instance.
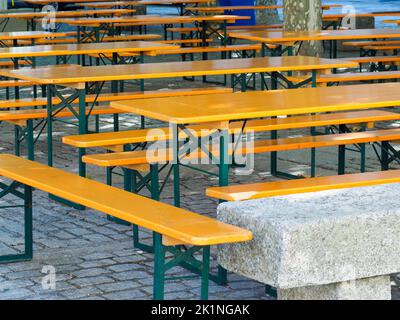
(81, 293)
(96, 263)
(15, 294)
(133, 294)
(130, 275)
(91, 272)
(91, 281)
(118, 286)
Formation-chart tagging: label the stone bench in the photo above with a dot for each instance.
(338, 244)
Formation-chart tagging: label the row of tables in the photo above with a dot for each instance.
(220, 109)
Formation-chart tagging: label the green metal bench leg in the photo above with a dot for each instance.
(30, 140)
(342, 160)
(127, 187)
(16, 141)
(159, 262)
(313, 157)
(363, 157)
(155, 195)
(222, 277)
(274, 155)
(385, 156)
(205, 273)
(28, 231)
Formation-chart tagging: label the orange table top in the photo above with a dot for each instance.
(286, 36)
(58, 1)
(151, 19)
(257, 104)
(78, 74)
(84, 48)
(65, 14)
(223, 8)
(30, 35)
(161, 2)
(149, 2)
(111, 4)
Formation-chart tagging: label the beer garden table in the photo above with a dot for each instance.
(218, 110)
(97, 24)
(31, 17)
(282, 37)
(27, 35)
(76, 78)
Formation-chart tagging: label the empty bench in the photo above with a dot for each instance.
(173, 227)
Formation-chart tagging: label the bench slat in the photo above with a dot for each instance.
(238, 47)
(374, 59)
(352, 76)
(165, 219)
(281, 188)
(260, 146)
(108, 97)
(147, 135)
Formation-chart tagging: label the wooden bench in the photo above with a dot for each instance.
(185, 41)
(119, 139)
(108, 97)
(183, 29)
(11, 64)
(172, 226)
(378, 63)
(229, 48)
(15, 83)
(351, 77)
(260, 146)
(361, 44)
(260, 26)
(286, 187)
(135, 37)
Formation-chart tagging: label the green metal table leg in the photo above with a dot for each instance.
(175, 164)
(28, 231)
(83, 128)
(49, 125)
(28, 222)
(30, 141)
(159, 274)
(313, 132)
(223, 181)
(205, 273)
(16, 141)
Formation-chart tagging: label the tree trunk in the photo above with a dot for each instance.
(304, 15)
(267, 16)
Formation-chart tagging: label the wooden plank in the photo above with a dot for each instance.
(176, 69)
(281, 188)
(248, 105)
(162, 218)
(260, 146)
(157, 134)
(83, 48)
(286, 36)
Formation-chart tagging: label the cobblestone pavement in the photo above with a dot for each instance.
(94, 259)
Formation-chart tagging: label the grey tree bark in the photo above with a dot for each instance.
(304, 15)
(267, 16)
